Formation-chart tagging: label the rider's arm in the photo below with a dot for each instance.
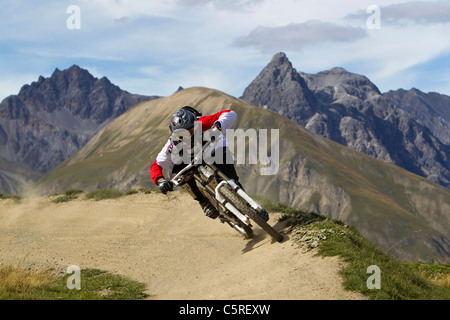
(156, 172)
(226, 119)
(163, 161)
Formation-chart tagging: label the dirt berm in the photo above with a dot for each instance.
(167, 243)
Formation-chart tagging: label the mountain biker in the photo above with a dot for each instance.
(185, 119)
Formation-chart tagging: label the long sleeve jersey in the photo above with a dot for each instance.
(164, 159)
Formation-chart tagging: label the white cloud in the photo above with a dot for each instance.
(295, 37)
(228, 5)
(416, 12)
(118, 9)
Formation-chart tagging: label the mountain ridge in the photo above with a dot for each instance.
(349, 109)
(431, 109)
(51, 118)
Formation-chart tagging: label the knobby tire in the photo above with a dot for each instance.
(246, 209)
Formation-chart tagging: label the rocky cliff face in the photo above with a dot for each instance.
(52, 118)
(349, 109)
(429, 109)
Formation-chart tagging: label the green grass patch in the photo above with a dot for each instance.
(14, 197)
(68, 195)
(106, 193)
(131, 191)
(100, 194)
(399, 280)
(145, 190)
(20, 284)
(436, 273)
(274, 206)
(73, 192)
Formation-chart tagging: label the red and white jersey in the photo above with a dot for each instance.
(164, 158)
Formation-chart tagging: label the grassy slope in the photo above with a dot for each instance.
(397, 280)
(392, 207)
(24, 284)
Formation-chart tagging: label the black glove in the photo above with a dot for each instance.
(165, 185)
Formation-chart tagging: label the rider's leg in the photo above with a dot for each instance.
(208, 208)
(191, 187)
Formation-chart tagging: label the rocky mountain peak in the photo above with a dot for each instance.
(73, 70)
(280, 59)
(53, 117)
(349, 109)
(339, 76)
(280, 66)
(337, 70)
(279, 79)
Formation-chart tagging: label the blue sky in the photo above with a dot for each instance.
(153, 47)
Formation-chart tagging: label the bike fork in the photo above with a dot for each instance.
(229, 205)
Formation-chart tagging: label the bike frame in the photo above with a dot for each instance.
(234, 205)
(206, 176)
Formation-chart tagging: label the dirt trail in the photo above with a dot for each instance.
(167, 243)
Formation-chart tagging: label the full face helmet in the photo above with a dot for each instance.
(182, 125)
